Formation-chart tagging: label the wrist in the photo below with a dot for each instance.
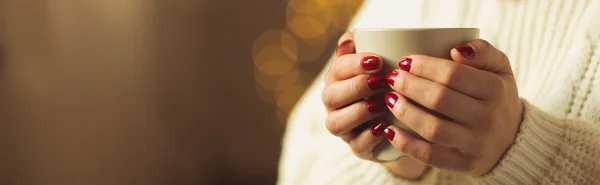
(406, 168)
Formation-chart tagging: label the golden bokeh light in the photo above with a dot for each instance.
(310, 23)
(307, 6)
(312, 49)
(272, 60)
(287, 80)
(278, 38)
(265, 81)
(332, 2)
(310, 26)
(307, 26)
(295, 77)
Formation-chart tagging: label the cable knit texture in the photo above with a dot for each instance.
(553, 48)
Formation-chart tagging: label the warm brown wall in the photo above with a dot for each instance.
(135, 92)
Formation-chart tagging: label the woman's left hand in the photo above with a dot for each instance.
(468, 109)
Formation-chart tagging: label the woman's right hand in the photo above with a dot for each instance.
(353, 97)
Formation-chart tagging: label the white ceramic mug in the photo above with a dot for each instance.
(394, 44)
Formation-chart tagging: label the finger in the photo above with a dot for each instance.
(348, 66)
(482, 55)
(429, 153)
(345, 92)
(364, 143)
(345, 44)
(343, 120)
(355, 131)
(435, 96)
(462, 78)
(427, 125)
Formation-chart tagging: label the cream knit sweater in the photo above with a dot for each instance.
(553, 47)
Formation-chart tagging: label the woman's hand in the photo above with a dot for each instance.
(477, 96)
(353, 96)
(351, 86)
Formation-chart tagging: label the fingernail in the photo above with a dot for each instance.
(389, 134)
(466, 51)
(378, 129)
(405, 64)
(391, 77)
(375, 105)
(370, 63)
(390, 99)
(376, 82)
(343, 44)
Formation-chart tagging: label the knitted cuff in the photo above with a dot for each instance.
(536, 146)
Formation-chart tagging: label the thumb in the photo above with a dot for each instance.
(345, 44)
(482, 55)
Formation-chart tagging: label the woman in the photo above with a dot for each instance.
(530, 116)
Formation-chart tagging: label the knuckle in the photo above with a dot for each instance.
(417, 67)
(401, 83)
(481, 45)
(356, 148)
(449, 74)
(335, 65)
(498, 82)
(359, 144)
(328, 79)
(327, 98)
(348, 138)
(332, 127)
(498, 90)
(331, 72)
(400, 144)
(401, 110)
(437, 97)
(355, 86)
(502, 85)
(431, 131)
(426, 155)
(357, 152)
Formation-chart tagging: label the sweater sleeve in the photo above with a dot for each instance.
(549, 150)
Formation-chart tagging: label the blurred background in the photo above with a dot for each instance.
(178, 92)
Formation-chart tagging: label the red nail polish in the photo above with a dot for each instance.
(376, 82)
(370, 63)
(390, 99)
(391, 77)
(343, 44)
(389, 134)
(375, 105)
(466, 51)
(405, 64)
(378, 129)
